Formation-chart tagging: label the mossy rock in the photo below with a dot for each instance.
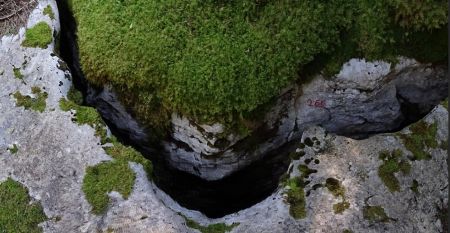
(17, 213)
(40, 35)
(37, 103)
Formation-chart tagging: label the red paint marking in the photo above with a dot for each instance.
(316, 103)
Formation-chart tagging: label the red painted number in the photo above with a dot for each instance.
(316, 103)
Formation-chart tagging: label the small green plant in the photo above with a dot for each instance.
(17, 213)
(39, 35)
(17, 73)
(375, 214)
(421, 138)
(14, 149)
(38, 103)
(48, 11)
(392, 163)
(296, 198)
(86, 115)
(347, 231)
(213, 228)
(104, 178)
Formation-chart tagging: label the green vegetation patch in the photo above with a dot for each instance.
(213, 228)
(305, 171)
(238, 55)
(37, 103)
(104, 178)
(48, 11)
(296, 198)
(14, 149)
(375, 214)
(337, 189)
(17, 73)
(17, 214)
(421, 138)
(340, 207)
(39, 35)
(84, 114)
(392, 163)
(121, 152)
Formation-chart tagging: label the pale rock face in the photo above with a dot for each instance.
(364, 98)
(361, 74)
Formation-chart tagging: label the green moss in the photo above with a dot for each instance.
(340, 207)
(17, 214)
(48, 11)
(296, 198)
(212, 228)
(39, 35)
(38, 103)
(305, 171)
(238, 55)
(14, 149)
(392, 163)
(335, 187)
(347, 231)
(375, 214)
(104, 178)
(86, 115)
(17, 73)
(415, 186)
(421, 138)
(121, 152)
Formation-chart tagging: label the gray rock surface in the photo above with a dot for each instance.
(53, 153)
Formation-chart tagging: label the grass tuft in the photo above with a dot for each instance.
(17, 73)
(14, 149)
(17, 214)
(421, 138)
(296, 198)
(38, 103)
(48, 11)
(39, 35)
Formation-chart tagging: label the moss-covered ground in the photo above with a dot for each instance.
(40, 35)
(36, 103)
(115, 175)
(222, 64)
(17, 213)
